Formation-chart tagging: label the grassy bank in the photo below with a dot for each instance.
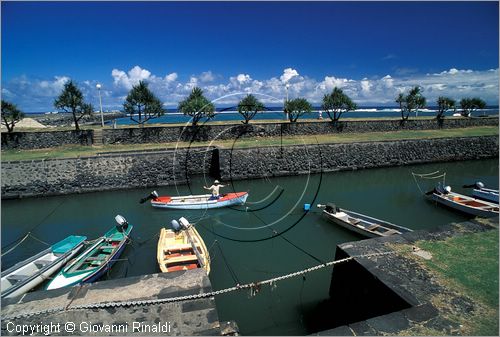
(467, 265)
(75, 151)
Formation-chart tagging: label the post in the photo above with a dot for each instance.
(286, 87)
(98, 86)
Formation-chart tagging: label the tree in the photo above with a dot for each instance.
(469, 105)
(411, 102)
(444, 104)
(337, 102)
(142, 102)
(11, 115)
(297, 107)
(71, 100)
(249, 106)
(196, 106)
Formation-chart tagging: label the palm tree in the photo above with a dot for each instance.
(71, 100)
(297, 107)
(11, 115)
(337, 103)
(469, 105)
(249, 106)
(141, 101)
(197, 106)
(444, 104)
(411, 102)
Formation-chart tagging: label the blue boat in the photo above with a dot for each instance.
(94, 262)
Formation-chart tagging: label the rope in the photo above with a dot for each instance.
(254, 287)
(430, 176)
(22, 240)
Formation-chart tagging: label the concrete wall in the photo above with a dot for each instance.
(168, 134)
(104, 172)
(293, 160)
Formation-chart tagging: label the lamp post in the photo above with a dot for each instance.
(98, 86)
(286, 87)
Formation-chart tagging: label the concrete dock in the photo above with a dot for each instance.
(59, 312)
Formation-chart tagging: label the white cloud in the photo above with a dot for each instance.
(288, 74)
(38, 95)
(171, 77)
(207, 76)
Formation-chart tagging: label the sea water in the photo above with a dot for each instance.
(239, 238)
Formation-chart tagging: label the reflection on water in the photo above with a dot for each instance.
(240, 239)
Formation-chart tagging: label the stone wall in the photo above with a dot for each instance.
(294, 160)
(235, 131)
(103, 172)
(172, 134)
(45, 139)
(159, 168)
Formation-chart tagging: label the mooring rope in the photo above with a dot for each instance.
(429, 176)
(254, 288)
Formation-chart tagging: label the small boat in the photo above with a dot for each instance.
(182, 248)
(96, 260)
(197, 201)
(361, 224)
(29, 273)
(463, 203)
(483, 193)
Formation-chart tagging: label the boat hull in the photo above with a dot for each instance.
(43, 273)
(71, 276)
(200, 201)
(449, 200)
(486, 194)
(383, 228)
(172, 246)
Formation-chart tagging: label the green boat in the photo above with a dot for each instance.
(96, 260)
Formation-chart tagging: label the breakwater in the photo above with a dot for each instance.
(172, 134)
(169, 167)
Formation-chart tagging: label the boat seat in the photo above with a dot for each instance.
(107, 247)
(373, 227)
(354, 221)
(391, 232)
(41, 263)
(17, 278)
(182, 258)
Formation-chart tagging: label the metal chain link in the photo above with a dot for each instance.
(252, 285)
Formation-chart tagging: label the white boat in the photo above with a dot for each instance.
(360, 223)
(199, 201)
(482, 192)
(182, 249)
(29, 273)
(463, 203)
(486, 194)
(95, 261)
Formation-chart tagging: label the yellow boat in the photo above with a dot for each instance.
(182, 250)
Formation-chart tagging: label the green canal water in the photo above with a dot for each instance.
(238, 238)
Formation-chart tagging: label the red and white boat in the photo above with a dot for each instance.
(198, 201)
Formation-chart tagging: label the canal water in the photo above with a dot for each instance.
(239, 238)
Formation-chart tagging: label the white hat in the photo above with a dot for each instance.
(216, 181)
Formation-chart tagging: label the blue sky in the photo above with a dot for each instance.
(373, 50)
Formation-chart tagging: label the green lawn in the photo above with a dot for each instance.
(468, 264)
(75, 150)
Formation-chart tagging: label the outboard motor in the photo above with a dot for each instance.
(184, 223)
(152, 195)
(479, 185)
(331, 208)
(122, 223)
(447, 189)
(175, 225)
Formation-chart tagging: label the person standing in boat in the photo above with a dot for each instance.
(215, 190)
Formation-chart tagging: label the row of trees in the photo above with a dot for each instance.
(413, 101)
(143, 105)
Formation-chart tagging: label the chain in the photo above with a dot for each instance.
(254, 287)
